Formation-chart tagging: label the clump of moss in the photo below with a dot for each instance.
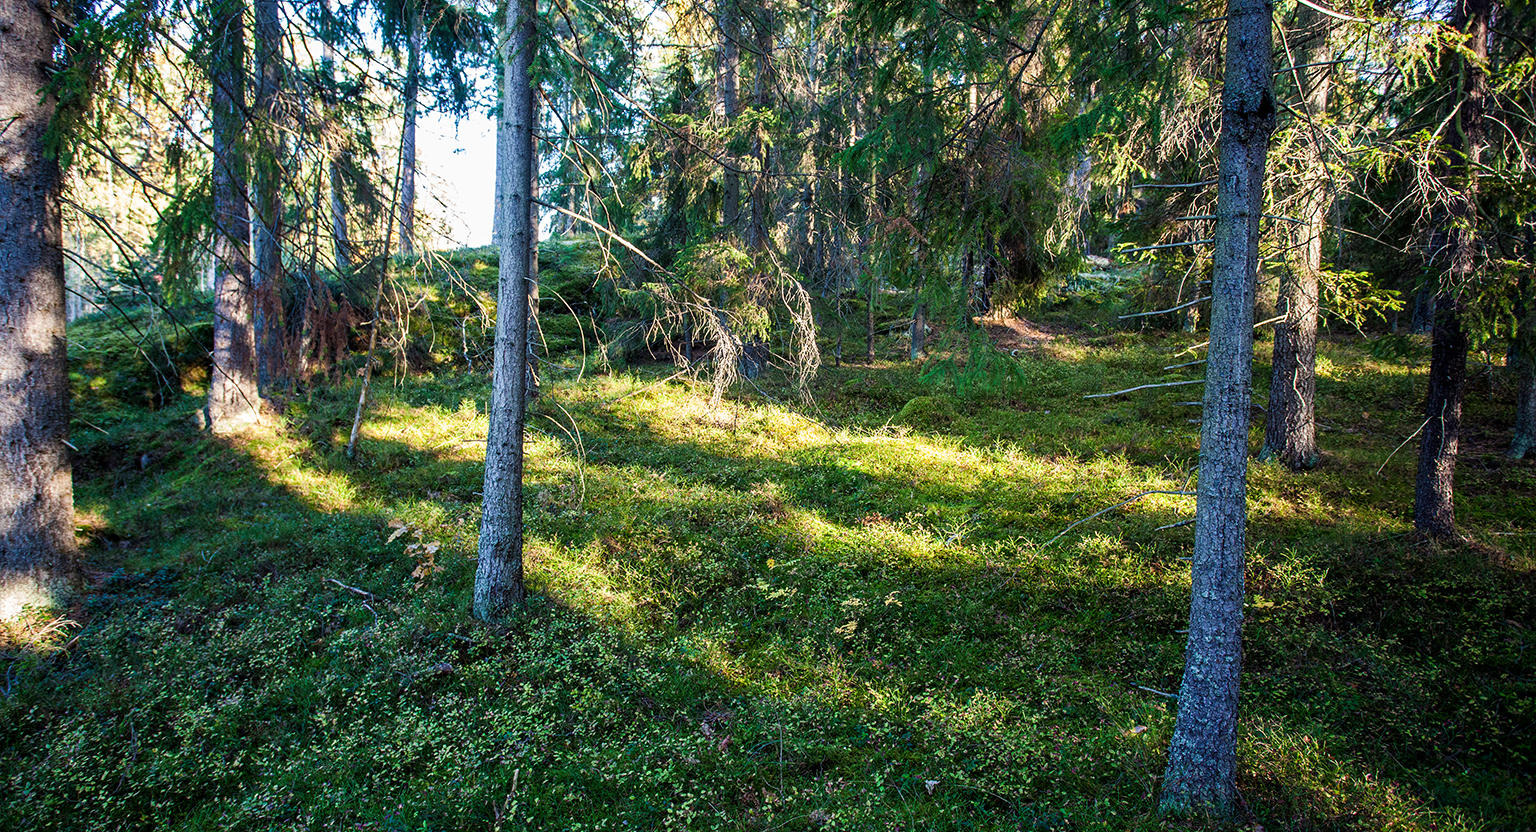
(927, 413)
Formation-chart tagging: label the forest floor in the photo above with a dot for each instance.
(858, 615)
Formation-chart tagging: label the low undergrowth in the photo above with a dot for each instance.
(855, 616)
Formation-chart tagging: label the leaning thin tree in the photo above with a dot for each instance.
(499, 574)
(37, 529)
(1202, 757)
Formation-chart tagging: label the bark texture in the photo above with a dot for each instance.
(233, 401)
(342, 250)
(1201, 777)
(37, 530)
(408, 137)
(727, 81)
(1522, 360)
(1290, 428)
(499, 572)
(271, 346)
(762, 98)
(1434, 512)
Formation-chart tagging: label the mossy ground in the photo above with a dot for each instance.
(764, 617)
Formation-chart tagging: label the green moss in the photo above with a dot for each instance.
(927, 413)
(752, 617)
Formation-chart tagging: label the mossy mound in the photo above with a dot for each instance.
(927, 413)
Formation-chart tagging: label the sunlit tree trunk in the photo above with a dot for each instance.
(342, 246)
(1433, 511)
(762, 98)
(727, 79)
(1201, 776)
(1290, 427)
(499, 572)
(233, 402)
(408, 136)
(531, 382)
(37, 530)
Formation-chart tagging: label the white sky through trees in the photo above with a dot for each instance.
(457, 159)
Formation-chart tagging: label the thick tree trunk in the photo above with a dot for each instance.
(233, 401)
(1434, 513)
(728, 72)
(408, 137)
(499, 573)
(1290, 428)
(1201, 777)
(37, 535)
(271, 352)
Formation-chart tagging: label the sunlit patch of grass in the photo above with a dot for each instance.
(1305, 786)
(281, 457)
(35, 630)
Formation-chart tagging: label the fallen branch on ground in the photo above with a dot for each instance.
(1115, 506)
(1144, 387)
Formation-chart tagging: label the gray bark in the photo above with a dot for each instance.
(499, 572)
(1522, 360)
(342, 250)
(919, 326)
(270, 343)
(531, 383)
(1201, 777)
(408, 137)
(339, 236)
(37, 530)
(233, 402)
(1290, 427)
(762, 98)
(1434, 513)
(728, 72)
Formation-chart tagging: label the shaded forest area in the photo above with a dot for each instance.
(1090, 415)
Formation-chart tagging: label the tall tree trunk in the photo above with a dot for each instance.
(1201, 776)
(1433, 511)
(342, 246)
(574, 190)
(339, 236)
(37, 537)
(918, 211)
(869, 318)
(233, 401)
(728, 71)
(762, 98)
(919, 325)
(1290, 427)
(270, 344)
(1522, 359)
(499, 573)
(408, 136)
(531, 383)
